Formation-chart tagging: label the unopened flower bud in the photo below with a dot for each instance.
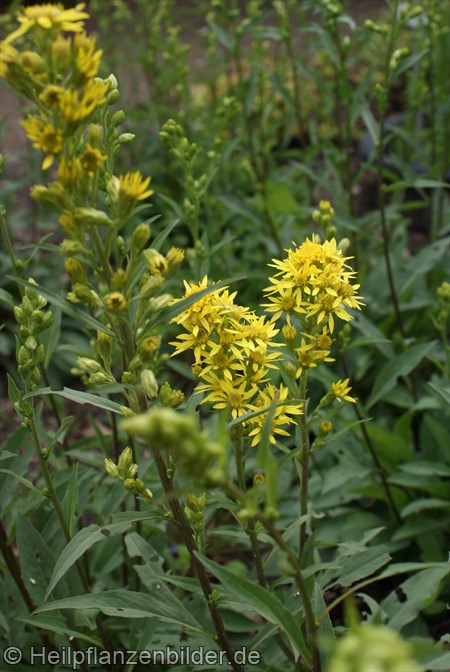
(111, 468)
(141, 236)
(155, 261)
(149, 383)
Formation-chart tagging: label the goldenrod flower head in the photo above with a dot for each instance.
(155, 261)
(75, 269)
(91, 159)
(51, 96)
(69, 171)
(174, 258)
(50, 18)
(341, 389)
(76, 108)
(325, 427)
(44, 136)
(32, 63)
(289, 333)
(87, 60)
(224, 393)
(133, 187)
(8, 55)
(282, 415)
(313, 281)
(116, 301)
(150, 346)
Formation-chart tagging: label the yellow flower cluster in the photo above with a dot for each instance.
(60, 75)
(234, 350)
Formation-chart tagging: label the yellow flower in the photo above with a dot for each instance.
(325, 427)
(44, 136)
(91, 159)
(116, 301)
(87, 60)
(51, 95)
(228, 394)
(69, 171)
(282, 414)
(341, 390)
(50, 18)
(133, 187)
(76, 109)
(8, 55)
(203, 314)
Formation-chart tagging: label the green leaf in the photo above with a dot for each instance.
(426, 468)
(371, 125)
(70, 501)
(424, 261)
(442, 392)
(50, 337)
(55, 623)
(79, 544)
(363, 564)
(28, 484)
(403, 605)
(35, 557)
(121, 604)
(68, 308)
(239, 207)
(222, 35)
(424, 504)
(325, 630)
(401, 366)
(79, 397)
(260, 600)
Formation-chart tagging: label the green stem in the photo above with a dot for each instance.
(304, 462)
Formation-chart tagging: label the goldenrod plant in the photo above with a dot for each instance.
(229, 423)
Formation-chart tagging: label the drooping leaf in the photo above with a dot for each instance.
(363, 564)
(255, 598)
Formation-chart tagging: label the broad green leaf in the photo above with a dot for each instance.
(55, 623)
(222, 35)
(68, 308)
(70, 501)
(121, 604)
(79, 544)
(79, 397)
(35, 557)
(400, 366)
(239, 207)
(260, 600)
(363, 564)
(370, 331)
(426, 468)
(403, 605)
(424, 261)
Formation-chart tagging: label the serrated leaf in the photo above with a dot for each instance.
(260, 600)
(401, 366)
(79, 397)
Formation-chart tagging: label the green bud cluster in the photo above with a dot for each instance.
(371, 647)
(195, 510)
(169, 397)
(126, 470)
(32, 320)
(323, 217)
(192, 449)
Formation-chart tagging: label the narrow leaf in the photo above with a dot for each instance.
(79, 397)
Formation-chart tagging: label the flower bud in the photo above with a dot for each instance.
(141, 236)
(111, 468)
(91, 217)
(155, 262)
(149, 383)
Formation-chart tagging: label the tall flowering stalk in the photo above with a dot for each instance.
(117, 278)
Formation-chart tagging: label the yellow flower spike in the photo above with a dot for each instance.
(116, 301)
(341, 389)
(51, 18)
(91, 159)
